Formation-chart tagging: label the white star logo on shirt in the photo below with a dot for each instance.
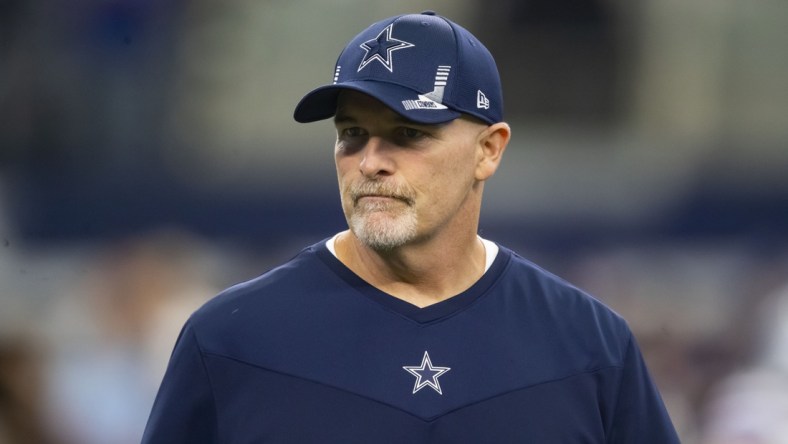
(426, 374)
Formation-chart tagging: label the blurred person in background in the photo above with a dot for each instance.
(21, 412)
(751, 405)
(409, 327)
(111, 337)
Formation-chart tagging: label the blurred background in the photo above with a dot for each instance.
(148, 159)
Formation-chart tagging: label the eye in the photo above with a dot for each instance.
(351, 139)
(411, 133)
(352, 132)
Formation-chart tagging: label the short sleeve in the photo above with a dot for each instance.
(184, 409)
(640, 413)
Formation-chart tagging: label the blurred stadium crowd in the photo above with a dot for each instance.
(148, 159)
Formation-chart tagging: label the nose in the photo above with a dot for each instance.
(375, 159)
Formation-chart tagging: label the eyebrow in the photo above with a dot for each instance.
(341, 117)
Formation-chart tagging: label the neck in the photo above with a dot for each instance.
(421, 274)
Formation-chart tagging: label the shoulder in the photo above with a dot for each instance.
(570, 314)
(285, 284)
(544, 287)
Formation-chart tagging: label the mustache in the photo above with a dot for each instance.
(381, 189)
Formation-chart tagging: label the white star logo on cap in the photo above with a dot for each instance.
(381, 47)
(426, 374)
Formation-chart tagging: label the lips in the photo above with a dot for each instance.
(381, 197)
(380, 192)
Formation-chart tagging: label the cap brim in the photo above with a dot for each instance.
(321, 103)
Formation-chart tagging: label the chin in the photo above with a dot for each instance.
(383, 233)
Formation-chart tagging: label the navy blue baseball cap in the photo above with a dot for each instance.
(423, 66)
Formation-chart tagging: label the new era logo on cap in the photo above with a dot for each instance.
(482, 101)
(423, 66)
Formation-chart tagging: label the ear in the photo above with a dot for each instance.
(491, 145)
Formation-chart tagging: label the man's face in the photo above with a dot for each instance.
(403, 182)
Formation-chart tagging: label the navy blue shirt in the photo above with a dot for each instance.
(311, 353)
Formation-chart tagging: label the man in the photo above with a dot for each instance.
(409, 327)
